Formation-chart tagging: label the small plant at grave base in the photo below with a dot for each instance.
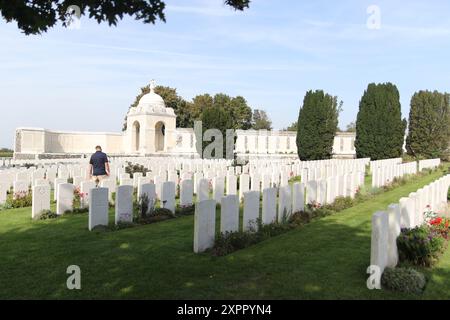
(340, 203)
(295, 179)
(420, 246)
(145, 207)
(22, 199)
(185, 210)
(77, 211)
(405, 280)
(229, 242)
(429, 215)
(120, 226)
(159, 212)
(314, 205)
(441, 226)
(46, 215)
(5, 206)
(78, 197)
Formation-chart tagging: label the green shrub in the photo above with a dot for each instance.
(46, 215)
(420, 246)
(162, 212)
(295, 179)
(229, 242)
(20, 200)
(77, 211)
(185, 210)
(120, 226)
(404, 280)
(340, 203)
(266, 231)
(5, 206)
(131, 169)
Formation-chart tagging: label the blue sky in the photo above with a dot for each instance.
(271, 54)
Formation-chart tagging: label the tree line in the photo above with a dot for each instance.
(215, 111)
(380, 128)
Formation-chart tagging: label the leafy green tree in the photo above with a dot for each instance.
(37, 16)
(429, 125)
(351, 127)
(216, 118)
(292, 127)
(317, 125)
(261, 120)
(237, 108)
(241, 113)
(380, 129)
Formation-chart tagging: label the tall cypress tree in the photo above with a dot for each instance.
(317, 125)
(429, 125)
(380, 129)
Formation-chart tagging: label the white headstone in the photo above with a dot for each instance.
(186, 193)
(219, 188)
(311, 192)
(379, 241)
(168, 195)
(244, 180)
(204, 225)
(285, 203)
(98, 208)
(231, 184)
(251, 209)
(57, 182)
(203, 190)
(229, 215)
(124, 204)
(298, 197)
(394, 231)
(41, 200)
(269, 208)
(149, 190)
(255, 182)
(64, 201)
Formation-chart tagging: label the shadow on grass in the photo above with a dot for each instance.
(326, 259)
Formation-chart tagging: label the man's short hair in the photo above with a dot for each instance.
(98, 148)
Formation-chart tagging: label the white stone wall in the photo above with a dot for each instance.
(41, 141)
(35, 141)
(251, 142)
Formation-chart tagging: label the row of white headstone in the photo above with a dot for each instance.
(384, 173)
(429, 164)
(291, 199)
(408, 213)
(98, 199)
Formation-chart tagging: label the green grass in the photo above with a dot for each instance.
(326, 259)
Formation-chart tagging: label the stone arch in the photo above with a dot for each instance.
(160, 134)
(136, 136)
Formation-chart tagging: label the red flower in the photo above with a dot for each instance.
(436, 221)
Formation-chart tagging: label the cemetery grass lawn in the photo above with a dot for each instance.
(326, 259)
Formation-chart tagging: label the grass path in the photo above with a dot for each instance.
(326, 259)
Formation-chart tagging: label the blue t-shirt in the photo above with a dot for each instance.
(98, 161)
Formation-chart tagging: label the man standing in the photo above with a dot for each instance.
(99, 166)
